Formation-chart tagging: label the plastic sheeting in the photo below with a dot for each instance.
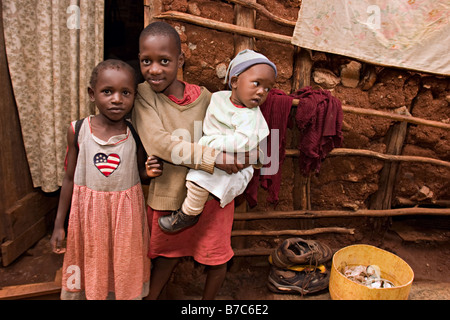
(410, 34)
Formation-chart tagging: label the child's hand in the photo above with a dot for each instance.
(231, 162)
(153, 166)
(57, 241)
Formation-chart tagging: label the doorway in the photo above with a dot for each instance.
(124, 22)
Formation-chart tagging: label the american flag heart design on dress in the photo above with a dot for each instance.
(107, 164)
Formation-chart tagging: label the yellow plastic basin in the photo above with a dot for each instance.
(392, 268)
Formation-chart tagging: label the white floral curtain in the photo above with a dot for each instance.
(51, 46)
(406, 34)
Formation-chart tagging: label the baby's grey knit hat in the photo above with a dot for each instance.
(244, 60)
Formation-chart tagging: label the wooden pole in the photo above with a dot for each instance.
(381, 199)
(301, 78)
(309, 232)
(252, 252)
(376, 155)
(308, 214)
(262, 10)
(245, 18)
(389, 115)
(222, 26)
(394, 116)
(152, 8)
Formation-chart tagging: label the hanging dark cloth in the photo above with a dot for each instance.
(319, 118)
(276, 111)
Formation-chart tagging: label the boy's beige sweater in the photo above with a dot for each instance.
(167, 131)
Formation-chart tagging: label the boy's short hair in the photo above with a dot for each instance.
(112, 64)
(161, 28)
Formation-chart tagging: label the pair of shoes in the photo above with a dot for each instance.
(295, 251)
(297, 266)
(297, 282)
(177, 221)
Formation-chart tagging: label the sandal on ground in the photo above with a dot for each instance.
(297, 282)
(294, 251)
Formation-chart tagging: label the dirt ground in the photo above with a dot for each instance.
(426, 250)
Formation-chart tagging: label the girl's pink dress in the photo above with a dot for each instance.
(107, 240)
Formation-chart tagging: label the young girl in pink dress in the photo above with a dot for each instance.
(107, 240)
